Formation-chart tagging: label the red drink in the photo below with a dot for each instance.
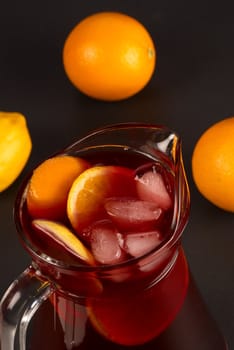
(117, 272)
(132, 306)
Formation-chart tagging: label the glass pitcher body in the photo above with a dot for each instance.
(147, 300)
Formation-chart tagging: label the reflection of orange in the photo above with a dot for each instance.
(50, 184)
(89, 191)
(109, 56)
(213, 164)
(98, 326)
(134, 314)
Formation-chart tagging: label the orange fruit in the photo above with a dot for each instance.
(213, 164)
(109, 56)
(86, 198)
(49, 186)
(64, 237)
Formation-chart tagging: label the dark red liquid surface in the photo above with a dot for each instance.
(149, 306)
(135, 161)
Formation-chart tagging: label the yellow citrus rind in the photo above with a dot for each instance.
(15, 147)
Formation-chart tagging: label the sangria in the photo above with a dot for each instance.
(103, 221)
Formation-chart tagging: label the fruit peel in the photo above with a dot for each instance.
(62, 235)
(15, 147)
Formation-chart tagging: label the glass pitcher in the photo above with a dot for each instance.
(143, 302)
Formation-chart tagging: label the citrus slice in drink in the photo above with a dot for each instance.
(92, 188)
(49, 186)
(65, 238)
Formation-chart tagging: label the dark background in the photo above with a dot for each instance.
(191, 89)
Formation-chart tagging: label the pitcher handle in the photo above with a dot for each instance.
(18, 305)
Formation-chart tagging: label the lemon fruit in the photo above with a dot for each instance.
(15, 147)
(213, 164)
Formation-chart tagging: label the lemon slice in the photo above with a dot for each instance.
(63, 236)
(15, 147)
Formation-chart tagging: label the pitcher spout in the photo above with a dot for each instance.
(164, 144)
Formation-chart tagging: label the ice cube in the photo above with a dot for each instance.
(151, 187)
(133, 214)
(104, 243)
(139, 243)
(157, 262)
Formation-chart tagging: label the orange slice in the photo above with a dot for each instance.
(90, 190)
(49, 186)
(64, 237)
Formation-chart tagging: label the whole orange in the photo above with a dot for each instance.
(109, 56)
(213, 164)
